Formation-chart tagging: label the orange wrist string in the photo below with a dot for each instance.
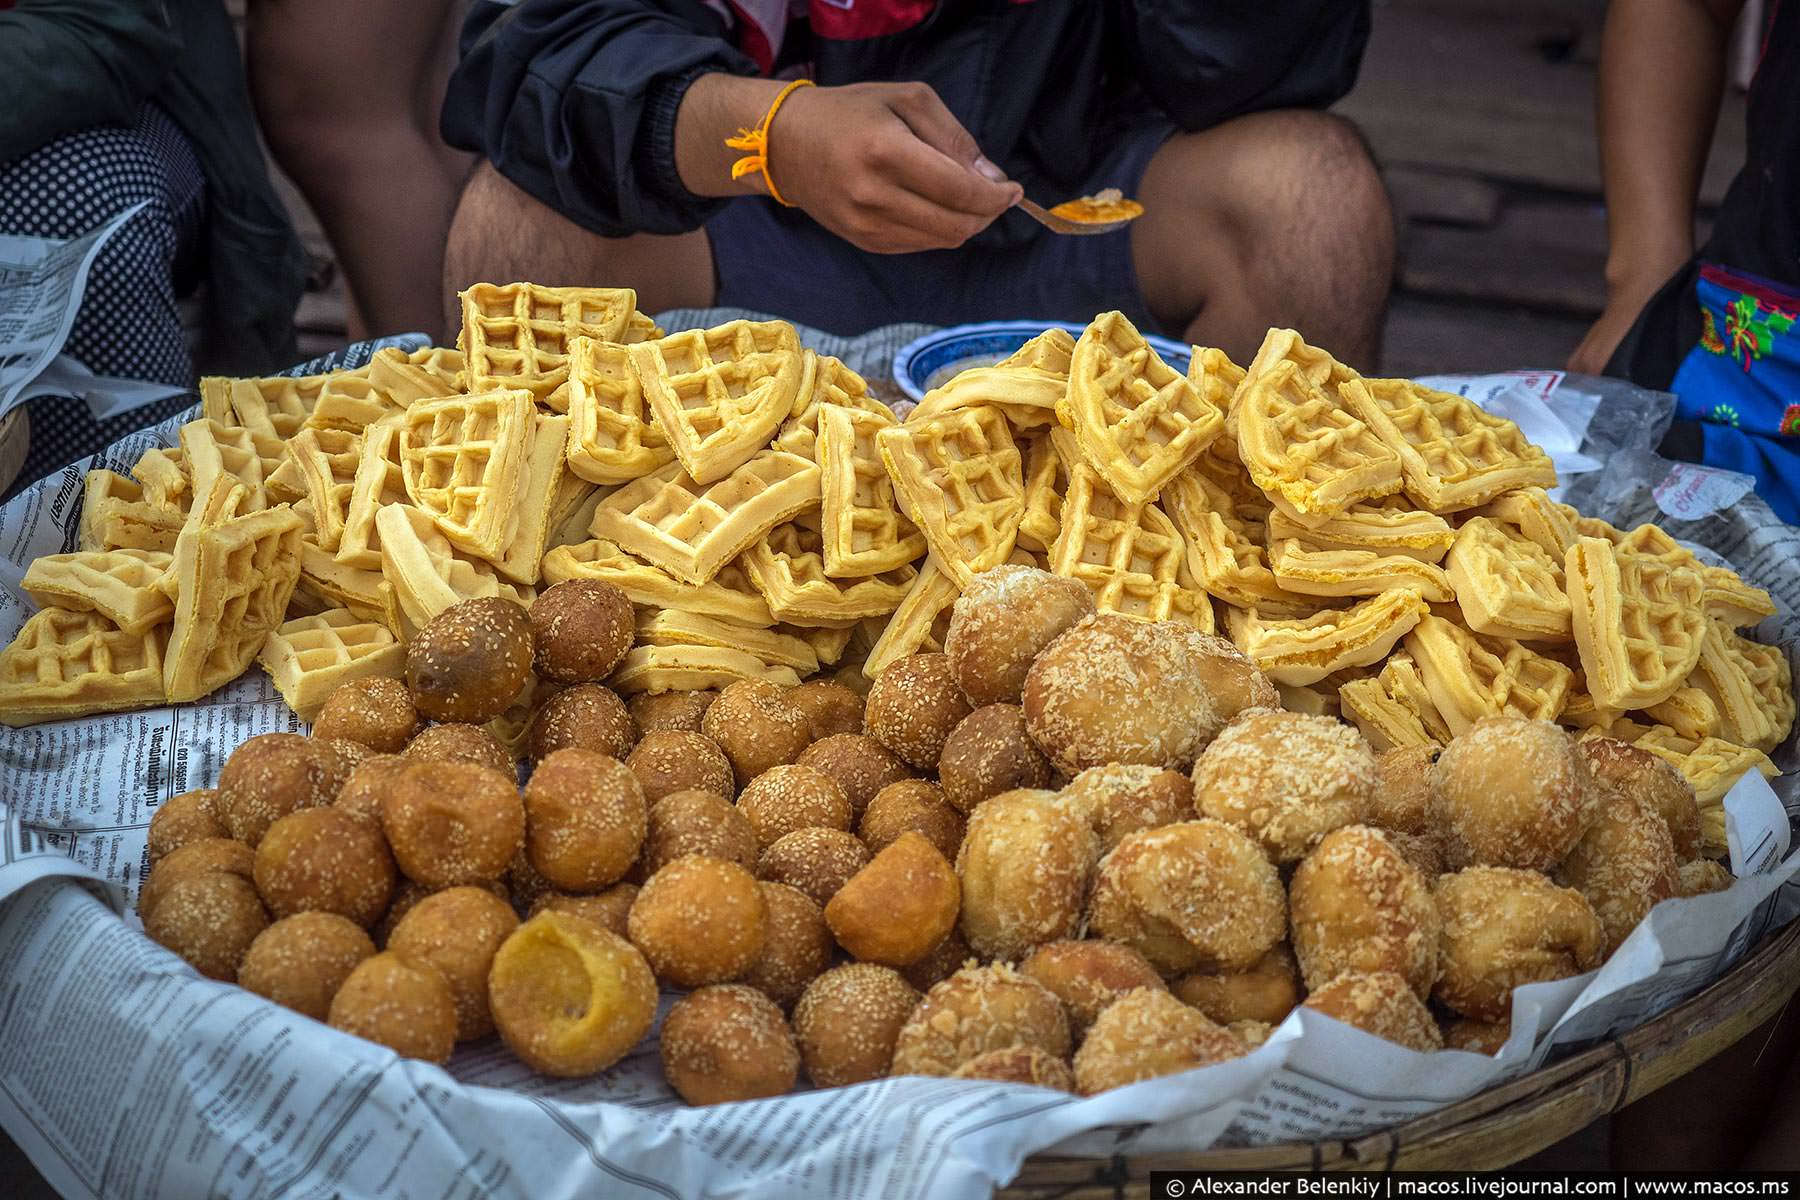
(756, 143)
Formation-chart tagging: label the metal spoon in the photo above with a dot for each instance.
(1058, 224)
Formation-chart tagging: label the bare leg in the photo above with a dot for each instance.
(1276, 218)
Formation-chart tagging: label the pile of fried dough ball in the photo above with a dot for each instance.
(1073, 850)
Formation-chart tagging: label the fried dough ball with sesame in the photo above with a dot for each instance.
(830, 708)
(787, 798)
(757, 726)
(1286, 779)
(916, 806)
(470, 660)
(1381, 1003)
(847, 1021)
(1401, 802)
(861, 766)
(586, 716)
(699, 920)
(1356, 904)
(268, 777)
(607, 909)
(1650, 779)
(568, 996)
(341, 758)
(362, 793)
(584, 820)
(899, 907)
(976, 1010)
(913, 708)
(457, 932)
(666, 761)
(990, 752)
(683, 711)
(1624, 864)
(1512, 793)
(1703, 876)
(400, 1004)
(941, 962)
(797, 945)
(816, 860)
(1025, 863)
(581, 628)
(1266, 992)
(1002, 622)
(728, 1042)
(1198, 896)
(1019, 1064)
(1235, 684)
(302, 960)
(1088, 976)
(452, 823)
(325, 860)
(1113, 689)
(202, 857)
(697, 823)
(183, 819)
(209, 919)
(1503, 928)
(407, 896)
(1122, 798)
(1145, 1034)
(462, 743)
(1477, 1037)
(376, 712)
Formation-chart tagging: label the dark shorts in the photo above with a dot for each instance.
(779, 260)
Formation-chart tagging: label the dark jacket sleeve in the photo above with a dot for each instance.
(575, 101)
(69, 64)
(1204, 61)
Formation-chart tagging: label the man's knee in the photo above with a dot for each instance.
(1331, 176)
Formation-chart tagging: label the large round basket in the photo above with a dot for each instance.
(1499, 1126)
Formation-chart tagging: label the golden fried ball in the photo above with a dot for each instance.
(183, 819)
(1144, 1034)
(1423, 850)
(682, 711)
(861, 765)
(1703, 875)
(1266, 992)
(1286, 779)
(816, 860)
(524, 884)
(990, 752)
(1002, 621)
(790, 797)
(699, 920)
(1088, 976)
(202, 857)
(1382, 1003)
(325, 860)
(395, 1002)
(1512, 793)
(915, 806)
(667, 761)
(1122, 798)
(1019, 1064)
(976, 1010)
(1250, 1034)
(209, 919)
(1025, 863)
(586, 716)
(407, 895)
(797, 945)
(341, 758)
(847, 1021)
(1235, 684)
(581, 628)
(268, 777)
(376, 712)
(1624, 864)
(1650, 779)
(1401, 802)
(568, 996)
(463, 743)
(728, 1042)
(607, 909)
(1356, 904)
(302, 960)
(457, 932)
(830, 708)
(452, 823)
(698, 823)
(899, 906)
(1477, 1037)
(470, 660)
(913, 707)
(943, 960)
(584, 820)
(757, 726)
(362, 793)
(1503, 928)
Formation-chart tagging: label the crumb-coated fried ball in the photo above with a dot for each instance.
(797, 945)
(1651, 779)
(1401, 802)
(1286, 779)
(1703, 875)
(606, 909)
(586, 716)
(1025, 863)
(395, 1002)
(1423, 850)
(897, 908)
(791, 797)
(1250, 1034)
(1512, 793)
(913, 708)
(584, 819)
(1382, 1003)
(699, 920)
(1624, 864)
(1503, 928)
(757, 726)
(728, 1042)
(183, 819)
(1088, 976)
(911, 805)
(1019, 1064)
(325, 860)
(202, 857)
(362, 793)
(457, 932)
(830, 708)
(1198, 896)
(1356, 904)
(581, 628)
(452, 823)
(1122, 798)
(861, 765)
(847, 1020)
(1235, 683)
(683, 711)
(697, 823)
(945, 959)
(1114, 689)
(470, 660)
(302, 960)
(1147, 1033)
(667, 761)
(1002, 621)
(268, 777)
(976, 1010)
(209, 919)
(568, 996)
(1266, 992)
(1477, 1037)
(990, 752)
(816, 860)
(458, 742)
(377, 712)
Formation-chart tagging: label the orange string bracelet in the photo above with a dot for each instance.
(756, 142)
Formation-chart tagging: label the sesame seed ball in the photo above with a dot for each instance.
(568, 996)
(1286, 779)
(696, 822)
(946, 959)
(699, 920)
(757, 727)
(302, 960)
(916, 806)
(861, 765)
(1002, 621)
(586, 716)
(377, 712)
(976, 1010)
(606, 909)
(1025, 864)
(818, 861)
(362, 793)
(1381, 1003)
(209, 920)
(584, 820)
(407, 895)
(453, 823)
(830, 708)
(683, 711)
(202, 857)
(325, 860)
(341, 758)
(797, 948)
(728, 1042)
(847, 1021)
(1122, 798)
(582, 628)
(898, 907)
(1512, 793)
(1088, 976)
(403, 1005)
(1267, 992)
(990, 752)
(524, 883)
(913, 707)
(788, 798)
(1019, 1064)
(457, 742)
(1145, 1034)
(268, 777)
(183, 819)
(668, 760)
(457, 932)
(470, 660)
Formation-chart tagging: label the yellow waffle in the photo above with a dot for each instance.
(692, 668)
(863, 530)
(1137, 421)
(670, 627)
(1225, 547)
(328, 460)
(68, 664)
(1690, 712)
(539, 492)
(720, 394)
(1052, 350)
(918, 626)
(1541, 520)
(1712, 765)
(325, 583)
(1401, 676)
(233, 580)
(1387, 526)
(1129, 555)
(217, 451)
(1306, 448)
(729, 595)
(640, 328)
(1638, 622)
(464, 461)
(1384, 721)
(828, 645)
(958, 477)
(120, 585)
(425, 571)
(308, 658)
(1026, 396)
(1748, 684)
(1469, 677)
(1216, 378)
(1300, 569)
(691, 531)
(1046, 481)
(379, 480)
(1727, 596)
(517, 335)
(163, 474)
(574, 510)
(612, 437)
(1505, 585)
(1579, 709)
(1454, 455)
(788, 568)
(349, 402)
(274, 407)
(824, 380)
(1306, 650)
(403, 378)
